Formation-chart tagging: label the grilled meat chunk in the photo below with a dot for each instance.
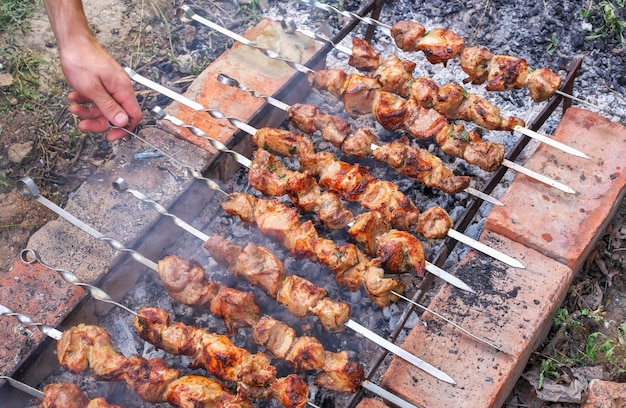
(440, 45)
(68, 395)
(475, 62)
(363, 56)
(421, 165)
(258, 265)
(434, 223)
(195, 391)
(359, 94)
(543, 84)
(395, 75)
(350, 266)
(359, 143)
(213, 351)
(407, 35)
(185, 282)
(401, 252)
(307, 353)
(308, 119)
(333, 80)
(506, 72)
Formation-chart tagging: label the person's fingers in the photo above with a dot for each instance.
(85, 112)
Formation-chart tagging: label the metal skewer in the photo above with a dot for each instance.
(161, 115)
(27, 188)
(33, 392)
(523, 130)
(30, 256)
(387, 28)
(230, 81)
(505, 163)
(251, 130)
(121, 185)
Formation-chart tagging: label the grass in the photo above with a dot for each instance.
(609, 18)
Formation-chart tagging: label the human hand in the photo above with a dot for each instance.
(103, 92)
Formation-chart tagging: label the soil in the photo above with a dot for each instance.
(59, 157)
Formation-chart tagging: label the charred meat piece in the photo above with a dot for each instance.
(197, 391)
(68, 395)
(268, 175)
(386, 197)
(308, 119)
(543, 84)
(395, 75)
(475, 62)
(299, 295)
(440, 45)
(347, 180)
(282, 142)
(359, 94)
(506, 72)
(258, 265)
(307, 353)
(423, 91)
(332, 80)
(407, 35)
(390, 110)
(420, 164)
(401, 252)
(423, 123)
(348, 263)
(212, 351)
(434, 223)
(363, 57)
(185, 282)
(367, 227)
(359, 143)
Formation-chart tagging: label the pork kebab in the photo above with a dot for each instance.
(60, 395)
(305, 353)
(453, 139)
(304, 191)
(374, 194)
(451, 100)
(235, 307)
(411, 161)
(85, 347)
(439, 45)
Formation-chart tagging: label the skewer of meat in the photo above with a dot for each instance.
(411, 161)
(228, 308)
(85, 347)
(453, 139)
(451, 100)
(264, 269)
(306, 353)
(281, 174)
(361, 95)
(60, 395)
(437, 218)
(480, 64)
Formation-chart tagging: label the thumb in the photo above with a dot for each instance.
(110, 109)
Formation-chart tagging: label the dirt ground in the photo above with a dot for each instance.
(59, 158)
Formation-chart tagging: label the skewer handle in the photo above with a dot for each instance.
(26, 320)
(27, 188)
(186, 14)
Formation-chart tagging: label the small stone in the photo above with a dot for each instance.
(18, 151)
(6, 80)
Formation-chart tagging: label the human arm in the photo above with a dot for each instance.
(93, 74)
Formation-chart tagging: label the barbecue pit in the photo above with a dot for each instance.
(204, 213)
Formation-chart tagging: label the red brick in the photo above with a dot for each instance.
(605, 394)
(371, 403)
(562, 225)
(512, 309)
(250, 67)
(36, 292)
